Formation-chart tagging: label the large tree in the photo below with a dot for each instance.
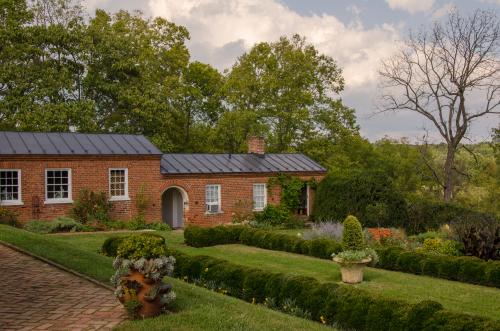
(450, 74)
(292, 89)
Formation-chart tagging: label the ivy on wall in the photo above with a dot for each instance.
(291, 189)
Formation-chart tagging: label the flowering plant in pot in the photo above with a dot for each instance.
(355, 254)
(140, 264)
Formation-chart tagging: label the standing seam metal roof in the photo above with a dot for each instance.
(237, 163)
(55, 143)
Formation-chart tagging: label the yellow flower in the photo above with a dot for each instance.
(206, 269)
(323, 320)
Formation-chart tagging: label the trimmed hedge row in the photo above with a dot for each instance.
(462, 268)
(222, 235)
(465, 269)
(343, 306)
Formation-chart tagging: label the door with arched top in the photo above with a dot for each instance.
(173, 208)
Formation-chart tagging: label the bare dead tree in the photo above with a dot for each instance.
(439, 71)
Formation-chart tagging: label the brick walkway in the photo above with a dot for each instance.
(37, 296)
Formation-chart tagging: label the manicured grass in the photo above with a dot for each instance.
(195, 309)
(454, 296)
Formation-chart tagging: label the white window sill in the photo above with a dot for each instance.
(124, 198)
(258, 209)
(12, 203)
(57, 201)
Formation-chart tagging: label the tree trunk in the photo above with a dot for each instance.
(448, 174)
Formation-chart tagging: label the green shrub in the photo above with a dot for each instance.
(420, 313)
(440, 246)
(480, 235)
(352, 238)
(110, 245)
(158, 226)
(91, 207)
(273, 216)
(369, 195)
(60, 224)
(8, 217)
(148, 246)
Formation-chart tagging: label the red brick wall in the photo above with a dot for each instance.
(236, 194)
(87, 172)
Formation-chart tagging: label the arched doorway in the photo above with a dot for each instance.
(172, 207)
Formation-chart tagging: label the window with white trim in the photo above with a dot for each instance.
(118, 184)
(58, 185)
(259, 196)
(10, 186)
(212, 198)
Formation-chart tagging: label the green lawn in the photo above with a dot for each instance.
(454, 296)
(195, 309)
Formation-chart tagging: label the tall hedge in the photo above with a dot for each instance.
(362, 194)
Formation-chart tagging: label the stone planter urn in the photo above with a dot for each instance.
(352, 271)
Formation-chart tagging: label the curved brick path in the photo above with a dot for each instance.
(37, 296)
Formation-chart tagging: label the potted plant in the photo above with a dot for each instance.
(355, 255)
(140, 265)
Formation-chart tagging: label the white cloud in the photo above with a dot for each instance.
(411, 6)
(223, 29)
(443, 11)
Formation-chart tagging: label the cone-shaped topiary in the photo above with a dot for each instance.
(352, 238)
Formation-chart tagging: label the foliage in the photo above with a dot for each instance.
(142, 246)
(91, 207)
(290, 87)
(8, 217)
(132, 307)
(327, 303)
(221, 235)
(352, 237)
(276, 216)
(60, 224)
(358, 255)
(465, 269)
(480, 235)
(440, 246)
(326, 230)
(359, 193)
(141, 202)
(291, 189)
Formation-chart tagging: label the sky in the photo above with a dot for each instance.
(358, 34)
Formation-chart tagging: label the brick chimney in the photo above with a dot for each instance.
(256, 145)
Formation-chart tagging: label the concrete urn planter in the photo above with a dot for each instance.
(352, 271)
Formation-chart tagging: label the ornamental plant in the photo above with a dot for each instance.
(140, 265)
(352, 238)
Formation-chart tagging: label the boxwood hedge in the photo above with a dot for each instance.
(221, 235)
(465, 268)
(343, 306)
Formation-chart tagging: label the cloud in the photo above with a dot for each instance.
(443, 11)
(411, 6)
(223, 29)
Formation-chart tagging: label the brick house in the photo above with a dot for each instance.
(41, 174)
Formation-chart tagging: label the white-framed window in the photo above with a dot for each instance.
(58, 186)
(212, 199)
(10, 187)
(259, 197)
(118, 184)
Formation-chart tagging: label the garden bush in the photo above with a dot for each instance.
(139, 246)
(60, 224)
(480, 235)
(352, 238)
(328, 303)
(111, 244)
(464, 268)
(8, 217)
(276, 216)
(368, 195)
(91, 207)
(325, 230)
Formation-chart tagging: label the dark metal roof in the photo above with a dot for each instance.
(237, 163)
(55, 143)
